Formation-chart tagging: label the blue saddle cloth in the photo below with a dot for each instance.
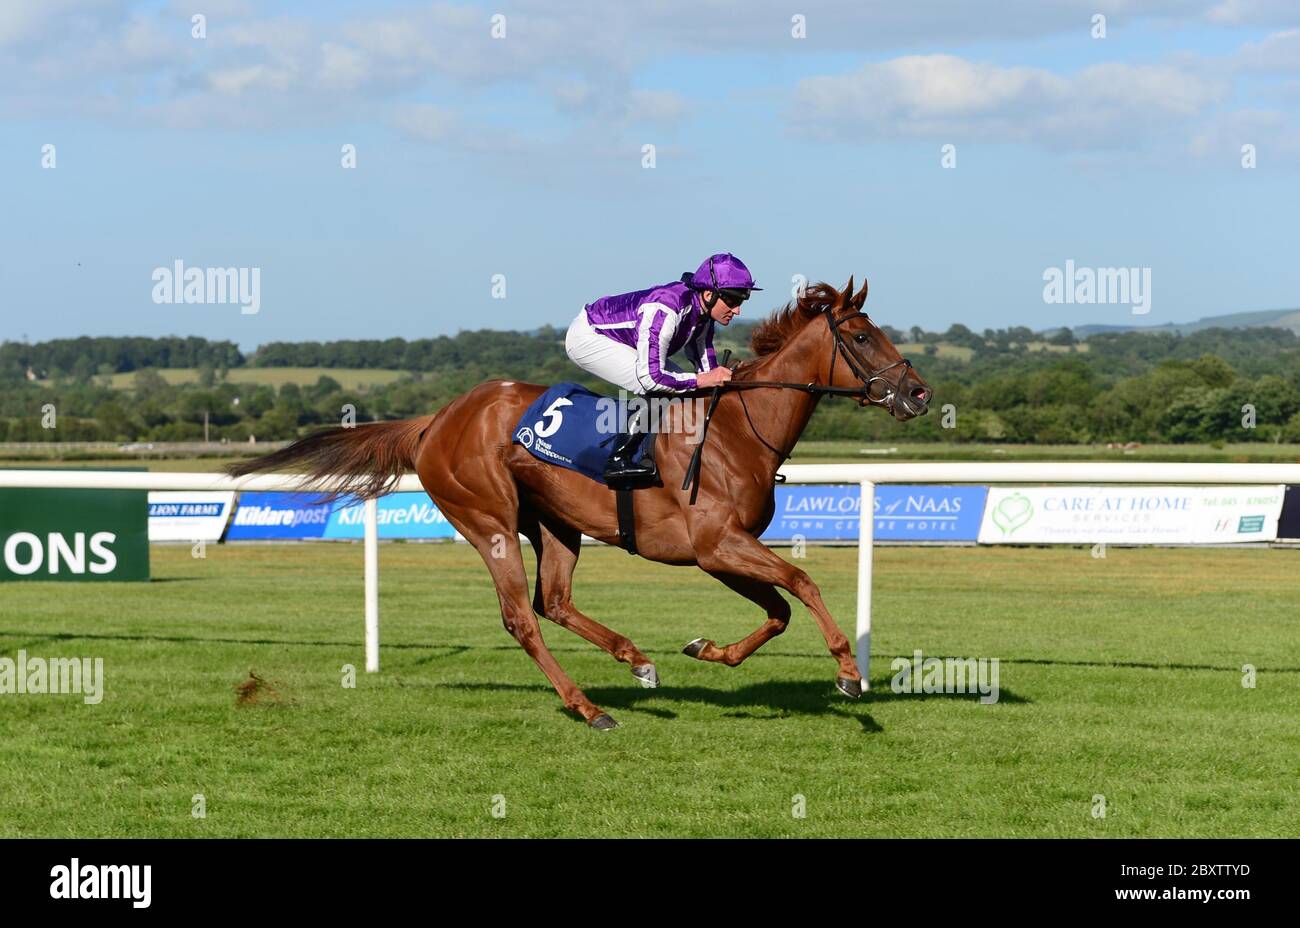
(570, 426)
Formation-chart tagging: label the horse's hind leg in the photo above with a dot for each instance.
(557, 547)
(778, 617)
(498, 544)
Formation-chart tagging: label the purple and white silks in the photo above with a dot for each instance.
(658, 323)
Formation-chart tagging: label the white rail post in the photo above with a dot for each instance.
(866, 536)
(372, 585)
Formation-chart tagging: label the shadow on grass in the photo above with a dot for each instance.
(771, 700)
(779, 699)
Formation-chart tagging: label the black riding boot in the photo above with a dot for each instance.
(621, 467)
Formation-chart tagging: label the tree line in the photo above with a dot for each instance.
(83, 358)
(1006, 385)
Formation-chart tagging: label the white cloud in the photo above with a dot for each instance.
(341, 68)
(1278, 52)
(26, 22)
(214, 10)
(615, 104)
(1276, 136)
(1251, 12)
(446, 128)
(950, 99)
(257, 77)
(655, 106)
(426, 121)
(585, 54)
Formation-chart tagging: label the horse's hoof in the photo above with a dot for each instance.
(603, 722)
(647, 674)
(849, 687)
(695, 647)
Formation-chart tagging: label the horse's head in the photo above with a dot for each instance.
(864, 355)
(824, 338)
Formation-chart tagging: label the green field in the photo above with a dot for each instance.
(942, 350)
(1120, 676)
(963, 353)
(349, 378)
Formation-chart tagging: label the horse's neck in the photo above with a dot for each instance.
(781, 415)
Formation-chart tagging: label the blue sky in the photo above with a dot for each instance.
(522, 156)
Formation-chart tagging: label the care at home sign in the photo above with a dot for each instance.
(1131, 515)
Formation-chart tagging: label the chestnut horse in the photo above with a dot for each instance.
(492, 490)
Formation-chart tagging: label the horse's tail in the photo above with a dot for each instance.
(361, 461)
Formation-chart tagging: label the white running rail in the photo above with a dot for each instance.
(865, 475)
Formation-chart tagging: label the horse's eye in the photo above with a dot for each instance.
(860, 338)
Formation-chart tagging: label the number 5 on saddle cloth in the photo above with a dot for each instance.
(572, 427)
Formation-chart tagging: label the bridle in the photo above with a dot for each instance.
(862, 392)
(868, 378)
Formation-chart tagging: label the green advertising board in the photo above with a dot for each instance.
(74, 534)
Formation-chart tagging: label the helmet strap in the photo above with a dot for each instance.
(713, 279)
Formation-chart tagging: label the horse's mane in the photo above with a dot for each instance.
(777, 329)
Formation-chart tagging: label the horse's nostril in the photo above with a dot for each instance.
(920, 394)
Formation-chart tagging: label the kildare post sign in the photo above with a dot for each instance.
(74, 534)
(302, 517)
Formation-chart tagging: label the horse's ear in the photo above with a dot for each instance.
(847, 296)
(861, 298)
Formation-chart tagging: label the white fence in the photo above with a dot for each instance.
(865, 475)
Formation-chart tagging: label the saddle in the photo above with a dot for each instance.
(574, 428)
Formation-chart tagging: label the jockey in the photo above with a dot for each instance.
(627, 339)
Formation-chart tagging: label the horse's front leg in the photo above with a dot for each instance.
(731, 550)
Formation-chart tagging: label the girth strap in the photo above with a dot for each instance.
(626, 520)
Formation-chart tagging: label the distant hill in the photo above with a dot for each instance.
(1270, 318)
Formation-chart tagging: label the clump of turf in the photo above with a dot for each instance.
(257, 691)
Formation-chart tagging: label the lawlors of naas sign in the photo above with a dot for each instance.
(241, 286)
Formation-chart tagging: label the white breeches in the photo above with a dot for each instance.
(597, 354)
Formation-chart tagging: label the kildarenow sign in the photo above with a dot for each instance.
(74, 535)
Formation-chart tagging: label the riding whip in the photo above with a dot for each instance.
(693, 469)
